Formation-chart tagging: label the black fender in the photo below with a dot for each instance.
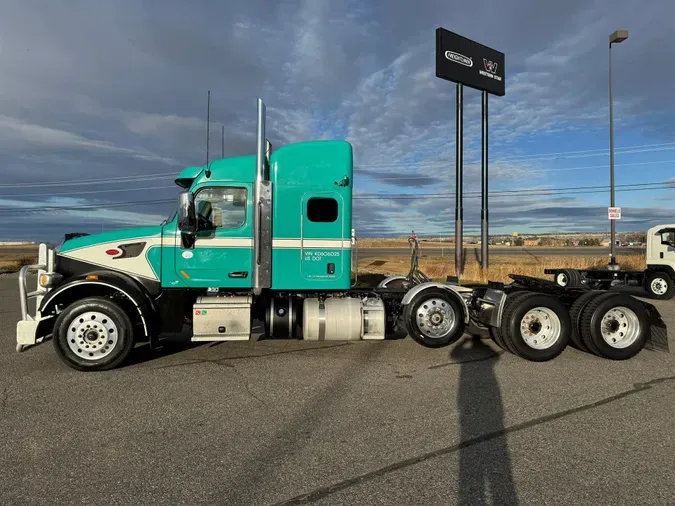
(104, 282)
(668, 269)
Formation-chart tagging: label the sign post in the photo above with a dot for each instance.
(469, 63)
(459, 176)
(484, 185)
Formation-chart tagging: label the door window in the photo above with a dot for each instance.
(223, 208)
(668, 237)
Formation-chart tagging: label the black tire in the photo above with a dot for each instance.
(591, 325)
(497, 338)
(575, 318)
(568, 278)
(495, 332)
(512, 321)
(121, 339)
(662, 280)
(453, 334)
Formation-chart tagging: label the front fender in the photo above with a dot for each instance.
(454, 290)
(112, 281)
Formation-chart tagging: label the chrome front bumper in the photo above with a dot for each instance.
(26, 328)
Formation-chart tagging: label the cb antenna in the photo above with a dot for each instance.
(208, 122)
(222, 141)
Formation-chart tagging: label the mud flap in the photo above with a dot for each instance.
(657, 339)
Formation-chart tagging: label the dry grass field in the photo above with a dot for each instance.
(500, 266)
(400, 243)
(9, 262)
(403, 243)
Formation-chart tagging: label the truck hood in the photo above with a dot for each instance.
(136, 252)
(110, 237)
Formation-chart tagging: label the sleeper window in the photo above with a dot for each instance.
(322, 210)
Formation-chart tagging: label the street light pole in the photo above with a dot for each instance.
(616, 37)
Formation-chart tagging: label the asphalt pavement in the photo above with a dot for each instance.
(293, 422)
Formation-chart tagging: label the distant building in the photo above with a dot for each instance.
(532, 242)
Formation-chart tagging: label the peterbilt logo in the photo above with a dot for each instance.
(126, 250)
(459, 58)
(490, 66)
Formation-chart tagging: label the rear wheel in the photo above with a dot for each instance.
(536, 327)
(614, 326)
(659, 285)
(496, 333)
(435, 318)
(575, 319)
(93, 334)
(568, 278)
(497, 338)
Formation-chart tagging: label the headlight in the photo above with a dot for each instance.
(48, 280)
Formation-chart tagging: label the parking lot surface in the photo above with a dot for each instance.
(293, 422)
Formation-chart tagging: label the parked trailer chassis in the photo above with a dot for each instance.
(658, 282)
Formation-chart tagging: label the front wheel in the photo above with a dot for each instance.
(660, 286)
(435, 318)
(93, 334)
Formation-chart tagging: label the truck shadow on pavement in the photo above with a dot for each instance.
(169, 345)
(485, 471)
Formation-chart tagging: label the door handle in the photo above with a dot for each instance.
(239, 274)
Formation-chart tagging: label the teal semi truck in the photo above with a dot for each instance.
(268, 237)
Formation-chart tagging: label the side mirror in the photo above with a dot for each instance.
(187, 220)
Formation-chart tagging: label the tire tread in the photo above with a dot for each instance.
(575, 311)
(512, 303)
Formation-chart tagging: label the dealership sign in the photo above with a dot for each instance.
(464, 61)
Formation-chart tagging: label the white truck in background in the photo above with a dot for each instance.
(658, 279)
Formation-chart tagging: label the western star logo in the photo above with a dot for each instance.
(490, 70)
(459, 58)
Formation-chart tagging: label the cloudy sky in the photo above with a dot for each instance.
(102, 103)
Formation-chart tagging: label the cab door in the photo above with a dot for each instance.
(222, 251)
(665, 250)
(322, 230)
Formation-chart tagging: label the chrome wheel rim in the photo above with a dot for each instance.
(659, 286)
(620, 327)
(435, 318)
(562, 279)
(540, 328)
(92, 335)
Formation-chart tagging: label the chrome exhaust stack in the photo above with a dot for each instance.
(262, 221)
